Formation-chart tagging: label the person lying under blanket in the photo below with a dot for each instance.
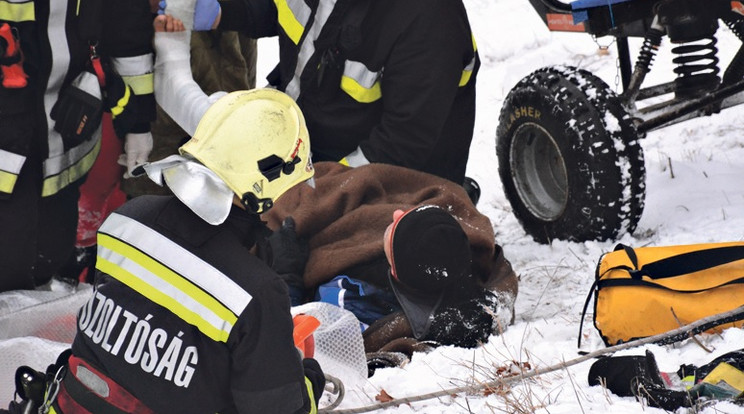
(435, 274)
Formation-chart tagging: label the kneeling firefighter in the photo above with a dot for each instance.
(188, 315)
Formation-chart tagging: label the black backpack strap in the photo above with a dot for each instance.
(690, 262)
(634, 282)
(583, 312)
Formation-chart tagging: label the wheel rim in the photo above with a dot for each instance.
(539, 172)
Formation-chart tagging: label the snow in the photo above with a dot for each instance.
(695, 194)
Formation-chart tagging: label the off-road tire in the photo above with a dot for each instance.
(569, 157)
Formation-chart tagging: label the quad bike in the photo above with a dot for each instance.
(568, 146)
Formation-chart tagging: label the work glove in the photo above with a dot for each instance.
(79, 109)
(315, 374)
(137, 148)
(289, 255)
(199, 15)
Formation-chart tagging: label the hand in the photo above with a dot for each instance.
(289, 254)
(315, 374)
(204, 14)
(168, 23)
(137, 148)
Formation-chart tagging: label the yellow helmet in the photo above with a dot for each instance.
(256, 141)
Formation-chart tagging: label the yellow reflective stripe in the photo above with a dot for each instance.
(468, 71)
(361, 83)
(344, 161)
(7, 181)
(311, 394)
(54, 183)
(178, 259)
(17, 12)
(163, 286)
(52, 410)
(465, 77)
(287, 20)
(121, 103)
(140, 84)
(359, 92)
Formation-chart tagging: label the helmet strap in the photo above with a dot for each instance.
(254, 204)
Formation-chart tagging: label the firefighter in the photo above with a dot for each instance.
(64, 62)
(188, 315)
(382, 81)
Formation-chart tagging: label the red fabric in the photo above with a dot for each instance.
(67, 404)
(118, 396)
(101, 193)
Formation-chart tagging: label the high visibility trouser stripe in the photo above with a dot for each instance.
(293, 16)
(311, 395)
(60, 59)
(307, 48)
(136, 71)
(468, 71)
(17, 11)
(170, 275)
(361, 83)
(71, 166)
(10, 167)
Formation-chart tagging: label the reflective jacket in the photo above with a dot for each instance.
(393, 78)
(53, 55)
(186, 318)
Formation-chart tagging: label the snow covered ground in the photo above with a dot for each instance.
(695, 194)
(700, 199)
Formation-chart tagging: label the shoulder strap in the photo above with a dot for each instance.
(685, 263)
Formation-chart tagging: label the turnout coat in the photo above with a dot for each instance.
(186, 318)
(394, 79)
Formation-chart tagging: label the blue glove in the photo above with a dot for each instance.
(205, 12)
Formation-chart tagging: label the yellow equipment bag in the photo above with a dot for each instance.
(651, 290)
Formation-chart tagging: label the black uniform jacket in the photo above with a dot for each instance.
(393, 78)
(54, 38)
(185, 318)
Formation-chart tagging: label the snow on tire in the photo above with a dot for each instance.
(569, 157)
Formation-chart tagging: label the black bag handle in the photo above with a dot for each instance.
(683, 263)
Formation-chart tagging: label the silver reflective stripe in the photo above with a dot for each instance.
(361, 83)
(57, 164)
(178, 259)
(10, 168)
(135, 65)
(307, 48)
(94, 383)
(470, 65)
(10, 162)
(60, 65)
(356, 158)
(359, 72)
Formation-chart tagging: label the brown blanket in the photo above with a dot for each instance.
(345, 216)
